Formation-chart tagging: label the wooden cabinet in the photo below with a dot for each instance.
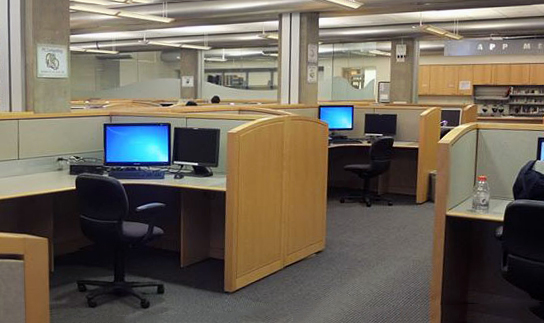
(437, 80)
(424, 80)
(501, 74)
(536, 74)
(465, 74)
(483, 74)
(520, 74)
(451, 80)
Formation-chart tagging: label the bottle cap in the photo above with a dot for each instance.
(482, 178)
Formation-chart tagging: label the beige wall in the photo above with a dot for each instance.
(496, 59)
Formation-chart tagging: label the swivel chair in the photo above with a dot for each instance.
(103, 206)
(380, 161)
(522, 239)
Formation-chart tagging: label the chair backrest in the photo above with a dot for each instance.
(381, 153)
(523, 246)
(103, 205)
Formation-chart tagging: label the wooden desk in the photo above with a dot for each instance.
(495, 214)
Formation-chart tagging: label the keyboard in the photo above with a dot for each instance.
(137, 174)
(345, 141)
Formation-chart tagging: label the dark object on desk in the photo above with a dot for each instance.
(103, 205)
(137, 174)
(344, 141)
(87, 167)
(380, 124)
(444, 131)
(191, 104)
(381, 152)
(522, 239)
(197, 147)
(529, 184)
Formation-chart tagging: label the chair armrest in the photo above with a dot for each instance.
(498, 233)
(151, 209)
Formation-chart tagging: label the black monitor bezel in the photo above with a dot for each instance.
(167, 163)
(539, 147)
(174, 149)
(339, 106)
(382, 114)
(460, 111)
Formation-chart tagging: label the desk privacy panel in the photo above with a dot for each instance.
(501, 154)
(10, 140)
(462, 168)
(12, 291)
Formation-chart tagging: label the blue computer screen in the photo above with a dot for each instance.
(137, 144)
(540, 149)
(338, 117)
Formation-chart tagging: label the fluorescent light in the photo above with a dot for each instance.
(134, 1)
(94, 9)
(441, 32)
(350, 4)
(216, 59)
(93, 51)
(96, 2)
(273, 36)
(195, 47)
(271, 54)
(129, 14)
(379, 52)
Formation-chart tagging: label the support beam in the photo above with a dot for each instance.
(190, 69)
(404, 73)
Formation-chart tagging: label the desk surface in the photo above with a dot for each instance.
(497, 208)
(396, 144)
(61, 181)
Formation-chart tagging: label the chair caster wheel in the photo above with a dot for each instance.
(390, 203)
(160, 289)
(91, 303)
(145, 303)
(82, 288)
(342, 200)
(368, 205)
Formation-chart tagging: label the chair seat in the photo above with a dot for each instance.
(358, 168)
(135, 231)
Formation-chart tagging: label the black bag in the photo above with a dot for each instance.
(529, 184)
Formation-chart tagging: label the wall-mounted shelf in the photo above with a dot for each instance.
(522, 100)
(492, 98)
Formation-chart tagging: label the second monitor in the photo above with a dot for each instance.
(381, 124)
(197, 147)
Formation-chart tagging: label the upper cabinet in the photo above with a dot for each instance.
(466, 77)
(536, 74)
(520, 74)
(483, 74)
(501, 74)
(424, 80)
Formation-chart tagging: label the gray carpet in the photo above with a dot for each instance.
(376, 268)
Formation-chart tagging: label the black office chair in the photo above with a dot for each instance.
(380, 161)
(522, 239)
(103, 205)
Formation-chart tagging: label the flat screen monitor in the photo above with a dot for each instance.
(381, 124)
(337, 117)
(540, 149)
(137, 144)
(451, 117)
(197, 147)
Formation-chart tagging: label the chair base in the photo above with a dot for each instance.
(365, 198)
(120, 288)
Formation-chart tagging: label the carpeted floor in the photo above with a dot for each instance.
(376, 268)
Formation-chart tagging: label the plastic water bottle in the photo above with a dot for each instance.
(481, 195)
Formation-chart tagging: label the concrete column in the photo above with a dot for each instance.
(46, 23)
(404, 75)
(190, 73)
(298, 54)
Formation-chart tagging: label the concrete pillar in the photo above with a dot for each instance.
(298, 58)
(191, 73)
(47, 27)
(404, 74)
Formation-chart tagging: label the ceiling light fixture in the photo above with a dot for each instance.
(118, 13)
(441, 32)
(93, 51)
(190, 46)
(161, 43)
(96, 2)
(272, 36)
(379, 52)
(133, 1)
(350, 4)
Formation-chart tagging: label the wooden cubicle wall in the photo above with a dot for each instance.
(276, 200)
(32, 252)
(429, 135)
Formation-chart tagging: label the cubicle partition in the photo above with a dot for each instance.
(267, 212)
(467, 283)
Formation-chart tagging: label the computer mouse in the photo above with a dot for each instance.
(178, 176)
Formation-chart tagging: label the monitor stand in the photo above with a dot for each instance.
(334, 136)
(200, 171)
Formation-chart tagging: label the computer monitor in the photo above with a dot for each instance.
(337, 117)
(137, 144)
(197, 147)
(381, 124)
(540, 149)
(451, 117)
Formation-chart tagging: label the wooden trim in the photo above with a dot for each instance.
(469, 114)
(510, 126)
(36, 258)
(457, 133)
(429, 135)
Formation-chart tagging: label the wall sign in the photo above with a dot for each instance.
(312, 74)
(401, 53)
(52, 61)
(313, 53)
(494, 47)
(187, 81)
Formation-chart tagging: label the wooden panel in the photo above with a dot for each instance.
(305, 188)
(253, 242)
(537, 74)
(520, 74)
(429, 134)
(10, 140)
(483, 74)
(35, 256)
(438, 80)
(502, 74)
(424, 80)
(465, 74)
(53, 137)
(451, 80)
(469, 114)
